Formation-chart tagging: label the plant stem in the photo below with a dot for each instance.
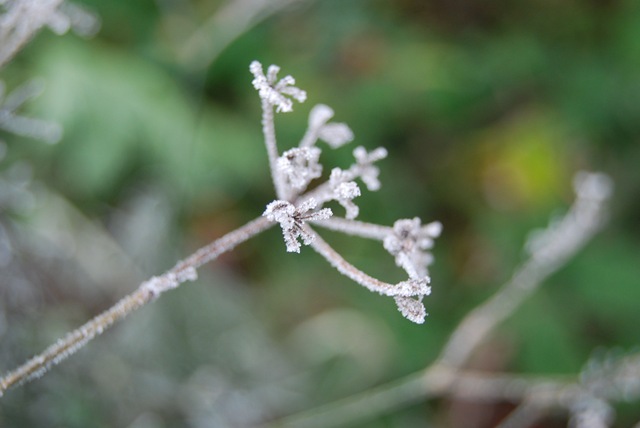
(562, 241)
(149, 290)
(269, 131)
(356, 228)
(348, 270)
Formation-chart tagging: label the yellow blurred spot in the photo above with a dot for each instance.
(522, 161)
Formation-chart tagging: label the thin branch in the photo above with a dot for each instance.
(525, 415)
(146, 292)
(404, 289)
(551, 250)
(356, 228)
(438, 381)
(269, 131)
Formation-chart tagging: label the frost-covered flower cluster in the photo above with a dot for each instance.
(11, 121)
(276, 93)
(20, 20)
(296, 209)
(292, 219)
(409, 243)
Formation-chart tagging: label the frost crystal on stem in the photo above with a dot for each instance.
(300, 166)
(364, 165)
(292, 218)
(408, 244)
(13, 122)
(294, 170)
(293, 210)
(276, 93)
(344, 191)
(411, 309)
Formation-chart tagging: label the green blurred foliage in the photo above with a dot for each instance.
(487, 110)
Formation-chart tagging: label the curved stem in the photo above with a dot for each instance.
(561, 242)
(184, 270)
(404, 289)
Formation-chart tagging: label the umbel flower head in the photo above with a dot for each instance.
(295, 209)
(292, 219)
(409, 243)
(275, 92)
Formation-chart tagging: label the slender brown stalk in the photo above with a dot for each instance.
(183, 271)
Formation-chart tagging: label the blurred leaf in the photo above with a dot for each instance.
(121, 113)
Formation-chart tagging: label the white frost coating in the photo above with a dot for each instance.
(408, 244)
(20, 20)
(170, 280)
(411, 309)
(593, 185)
(83, 22)
(188, 274)
(292, 219)
(334, 134)
(344, 191)
(364, 166)
(11, 121)
(412, 287)
(348, 190)
(159, 284)
(319, 115)
(276, 93)
(591, 412)
(300, 166)
(568, 233)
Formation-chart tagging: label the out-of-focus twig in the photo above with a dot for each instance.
(22, 19)
(525, 415)
(225, 26)
(549, 250)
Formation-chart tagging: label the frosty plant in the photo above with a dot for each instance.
(294, 210)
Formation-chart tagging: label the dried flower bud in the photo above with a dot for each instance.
(300, 165)
(344, 191)
(291, 220)
(366, 170)
(276, 93)
(408, 244)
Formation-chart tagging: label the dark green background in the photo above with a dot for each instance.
(487, 110)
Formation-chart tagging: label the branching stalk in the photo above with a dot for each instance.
(550, 251)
